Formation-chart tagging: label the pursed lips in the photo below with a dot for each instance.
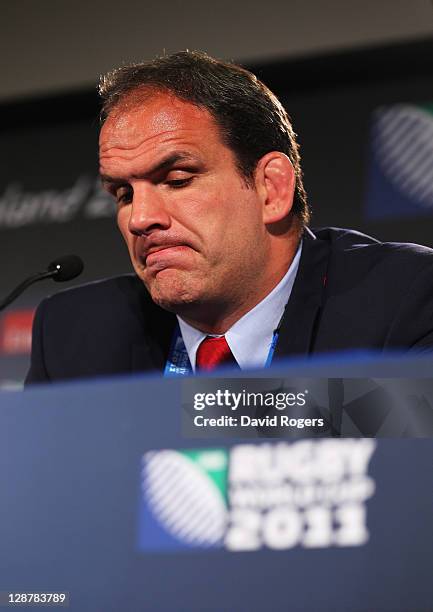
(156, 248)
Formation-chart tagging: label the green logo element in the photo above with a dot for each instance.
(214, 463)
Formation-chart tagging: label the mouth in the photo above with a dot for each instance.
(159, 248)
(165, 255)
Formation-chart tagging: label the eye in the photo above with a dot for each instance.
(123, 194)
(179, 183)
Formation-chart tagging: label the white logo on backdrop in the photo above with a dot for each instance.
(404, 148)
(20, 207)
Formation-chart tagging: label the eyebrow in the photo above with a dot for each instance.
(164, 164)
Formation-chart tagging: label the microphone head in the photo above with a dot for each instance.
(66, 268)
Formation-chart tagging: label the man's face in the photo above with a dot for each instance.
(194, 229)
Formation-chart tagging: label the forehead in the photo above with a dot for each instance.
(159, 118)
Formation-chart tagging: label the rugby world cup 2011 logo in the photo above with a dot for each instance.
(250, 496)
(400, 176)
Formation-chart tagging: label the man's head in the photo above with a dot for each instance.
(204, 165)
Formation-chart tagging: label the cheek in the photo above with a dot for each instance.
(122, 223)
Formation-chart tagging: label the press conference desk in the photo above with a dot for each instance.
(107, 494)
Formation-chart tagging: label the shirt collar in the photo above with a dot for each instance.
(251, 337)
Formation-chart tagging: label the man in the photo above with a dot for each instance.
(203, 163)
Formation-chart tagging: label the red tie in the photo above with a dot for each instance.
(213, 352)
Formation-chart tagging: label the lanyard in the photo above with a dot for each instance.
(178, 363)
(272, 349)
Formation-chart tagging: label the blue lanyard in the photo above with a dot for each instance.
(178, 363)
(272, 349)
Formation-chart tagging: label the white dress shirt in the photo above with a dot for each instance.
(250, 338)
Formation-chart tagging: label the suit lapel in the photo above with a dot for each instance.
(146, 357)
(298, 327)
(158, 326)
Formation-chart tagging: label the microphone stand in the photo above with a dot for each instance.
(26, 283)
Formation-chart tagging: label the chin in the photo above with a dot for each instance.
(173, 293)
(174, 303)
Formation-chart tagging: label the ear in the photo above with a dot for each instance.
(275, 180)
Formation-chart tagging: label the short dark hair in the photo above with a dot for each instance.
(251, 119)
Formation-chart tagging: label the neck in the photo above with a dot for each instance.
(217, 323)
(219, 318)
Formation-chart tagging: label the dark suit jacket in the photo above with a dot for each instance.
(351, 292)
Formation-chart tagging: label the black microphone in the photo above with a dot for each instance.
(65, 268)
(62, 269)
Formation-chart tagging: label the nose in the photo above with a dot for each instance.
(148, 211)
